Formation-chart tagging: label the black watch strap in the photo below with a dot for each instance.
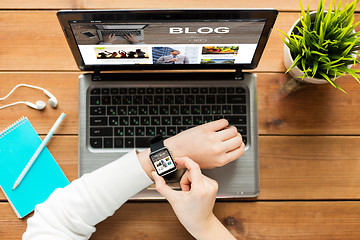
(156, 143)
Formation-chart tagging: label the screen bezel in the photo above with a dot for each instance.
(157, 152)
(67, 16)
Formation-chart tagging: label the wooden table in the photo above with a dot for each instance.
(309, 139)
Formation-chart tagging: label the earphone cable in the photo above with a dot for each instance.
(21, 85)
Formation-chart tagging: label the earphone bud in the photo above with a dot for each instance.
(52, 101)
(39, 105)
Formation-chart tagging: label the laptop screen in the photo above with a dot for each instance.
(165, 39)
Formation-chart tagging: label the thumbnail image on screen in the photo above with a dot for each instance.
(162, 161)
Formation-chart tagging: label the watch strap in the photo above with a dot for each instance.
(156, 143)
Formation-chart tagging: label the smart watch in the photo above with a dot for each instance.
(160, 156)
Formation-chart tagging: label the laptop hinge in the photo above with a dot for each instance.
(239, 75)
(96, 75)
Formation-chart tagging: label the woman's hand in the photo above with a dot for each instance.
(194, 204)
(213, 144)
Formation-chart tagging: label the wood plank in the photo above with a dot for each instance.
(291, 167)
(37, 43)
(245, 220)
(282, 5)
(315, 109)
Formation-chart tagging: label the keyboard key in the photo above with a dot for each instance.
(190, 99)
(123, 121)
(174, 110)
(197, 120)
(181, 129)
(221, 90)
(114, 91)
(134, 121)
(164, 110)
(129, 131)
(137, 99)
(210, 99)
(226, 109)
(216, 109)
(95, 91)
(242, 130)
(145, 120)
(195, 109)
(108, 142)
(230, 90)
(158, 99)
(176, 120)
(98, 121)
(111, 110)
(186, 90)
(171, 131)
(204, 90)
(155, 121)
(177, 90)
(195, 90)
(126, 99)
(132, 91)
(143, 110)
(132, 110)
(118, 142)
(236, 99)
(220, 99)
(153, 110)
(185, 110)
(129, 142)
(236, 120)
(159, 90)
(148, 99)
(208, 118)
(142, 142)
(168, 91)
(139, 131)
(161, 131)
(187, 120)
(123, 91)
(101, 131)
(105, 100)
(97, 110)
(105, 91)
(119, 131)
(212, 90)
(141, 91)
(113, 121)
(205, 109)
(94, 100)
(166, 120)
(240, 90)
(150, 131)
(169, 99)
(200, 99)
(115, 100)
(122, 110)
(150, 90)
(239, 109)
(244, 138)
(96, 142)
(179, 99)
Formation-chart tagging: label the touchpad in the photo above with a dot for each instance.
(172, 180)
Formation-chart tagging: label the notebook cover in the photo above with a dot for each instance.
(17, 145)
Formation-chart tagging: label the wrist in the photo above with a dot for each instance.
(212, 228)
(145, 162)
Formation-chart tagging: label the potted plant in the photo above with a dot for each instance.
(323, 45)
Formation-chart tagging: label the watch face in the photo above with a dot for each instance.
(162, 161)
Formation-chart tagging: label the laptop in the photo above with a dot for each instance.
(120, 30)
(152, 85)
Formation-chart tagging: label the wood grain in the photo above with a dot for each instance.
(34, 41)
(283, 5)
(315, 109)
(291, 167)
(245, 220)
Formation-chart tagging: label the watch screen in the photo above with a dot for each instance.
(162, 161)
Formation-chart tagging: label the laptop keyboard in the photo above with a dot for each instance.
(121, 33)
(128, 117)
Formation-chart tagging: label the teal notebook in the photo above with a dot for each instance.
(18, 143)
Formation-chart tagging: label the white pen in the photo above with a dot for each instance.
(38, 151)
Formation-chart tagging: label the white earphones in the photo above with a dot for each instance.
(39, 105)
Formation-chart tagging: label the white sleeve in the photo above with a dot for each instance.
(72, 212)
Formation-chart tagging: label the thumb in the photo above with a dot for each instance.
(161, 186)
